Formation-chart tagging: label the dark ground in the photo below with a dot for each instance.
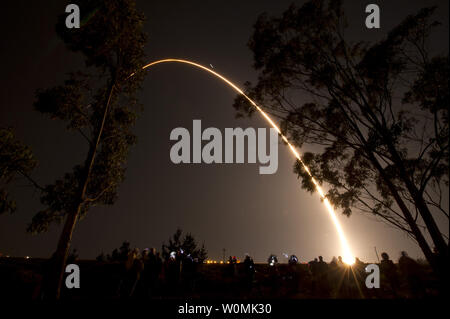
(22, 279)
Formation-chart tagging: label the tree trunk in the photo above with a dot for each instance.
(60, 257)
(433, 229)
(419, 202)
(407, 214)
(62, 250)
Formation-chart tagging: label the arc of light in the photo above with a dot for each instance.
(347, 254)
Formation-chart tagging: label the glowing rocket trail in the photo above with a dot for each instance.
(347, 254)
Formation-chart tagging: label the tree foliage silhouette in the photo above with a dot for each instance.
(187, 243)
(100, 104)
(375, 113)
(16, 159)
(119, 255)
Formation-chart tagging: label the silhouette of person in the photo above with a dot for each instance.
(322, 277)
(389, 276)
(137, 266)
(293, 274)
(150, 272)
(344, 283)
(158, 270)
(273, 272)
(358, 262)
(146, 254)
(173, 265)
(231, 267)
(142, 287)
(412, 273)
(189, 272)
(249, 268)
(333, 263)
(272, 260)
(293, 260)
(133, 268)
(313, 267)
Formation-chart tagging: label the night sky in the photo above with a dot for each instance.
(225, 206)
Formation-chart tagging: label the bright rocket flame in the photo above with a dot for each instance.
(347, 257)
